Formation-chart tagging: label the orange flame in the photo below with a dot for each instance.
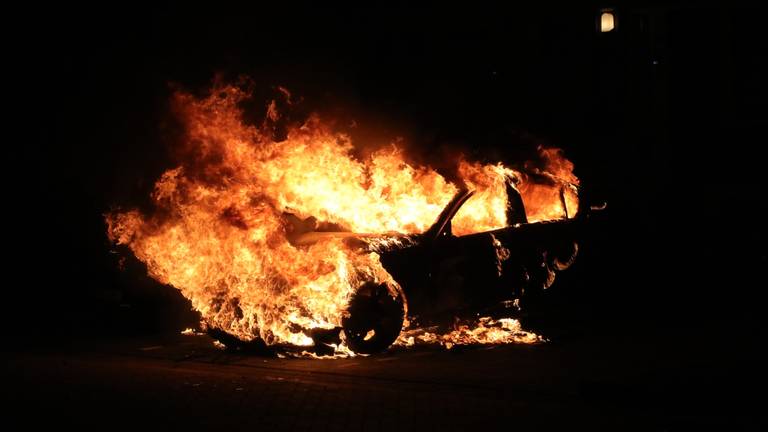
(484, 331)
(219, 232)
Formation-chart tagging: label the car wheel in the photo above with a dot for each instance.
(374, 318)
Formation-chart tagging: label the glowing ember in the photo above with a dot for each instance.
(484, 331)
(222, 221)
(191, 332)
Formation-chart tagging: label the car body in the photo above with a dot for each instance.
(441, 276)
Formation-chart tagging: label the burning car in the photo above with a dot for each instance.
(440, 276)
(300, 239)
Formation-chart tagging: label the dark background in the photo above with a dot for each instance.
(664, 119)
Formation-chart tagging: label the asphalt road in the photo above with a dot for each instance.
(596, 382)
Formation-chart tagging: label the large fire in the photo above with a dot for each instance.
(219, 231)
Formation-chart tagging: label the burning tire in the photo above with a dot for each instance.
(374, 318)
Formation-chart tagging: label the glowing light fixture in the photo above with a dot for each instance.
(607, 21)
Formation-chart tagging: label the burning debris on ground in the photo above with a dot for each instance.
(289, 240)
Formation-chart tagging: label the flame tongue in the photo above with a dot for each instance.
(220, 233)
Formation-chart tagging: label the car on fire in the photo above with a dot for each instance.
(441, 276)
